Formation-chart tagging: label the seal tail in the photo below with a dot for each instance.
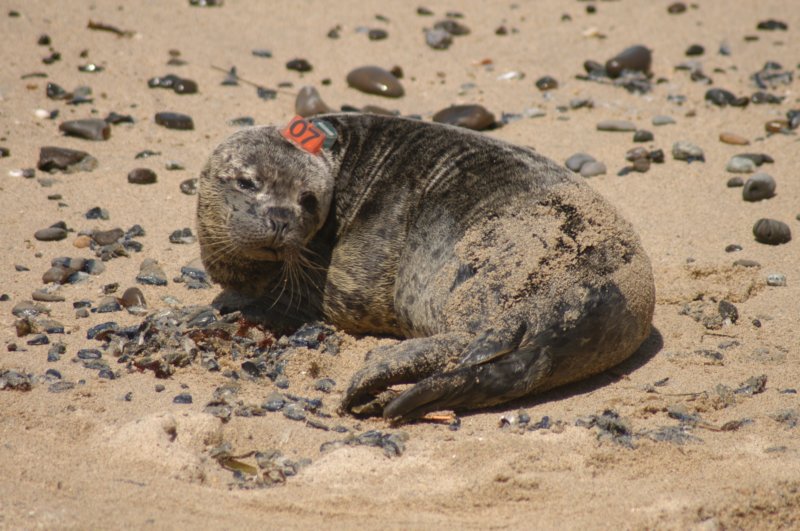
(493, 372)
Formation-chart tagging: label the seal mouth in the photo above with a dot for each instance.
(268, 254)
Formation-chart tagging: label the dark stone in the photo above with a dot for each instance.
(97, 213)
(142, 176)
(635, 58)
(695, 50)
(771, 231)
(68, 160)
(377, 34)
(50, 234)
(772, 25)
(375, 80)
(546, 83)
(452, 27)
(642, 135)
(91, 129)
(471, 116)
(133, 297)
(759, 186)
(174, 120)
(299, 65)
(182, 398)
(189, 186)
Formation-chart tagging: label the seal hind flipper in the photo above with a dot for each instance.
(406, 362)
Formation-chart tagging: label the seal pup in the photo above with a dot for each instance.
(505, 273)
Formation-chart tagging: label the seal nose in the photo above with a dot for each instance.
(279, 218)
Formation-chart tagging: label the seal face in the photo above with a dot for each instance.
(506, 274)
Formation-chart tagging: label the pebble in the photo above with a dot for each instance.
(150, 273)
(694, 50)
(735, 182)
(733, 139)
(29, 309)
(266, 94)
(27, 173)
(759, 186)
(174, 120)
(50, 234)
(687, 151)
(182, 398)
(438, 39)
(377, 34)
(116, 119)
(771, 231)
(43, 295)
(299, 65)
(309, 102)
(142, 176)
(642, 135)
(676, 8)
(452, 27)
(38, 339)
(178, 84)
(375, 80)
(777, 126)
(471, 116)
(107, 237)
(662, 120)
(262, 52)
(91, 129)
(616, 125)
(635, 58)
(189, 186)
(174, 165)
(133, 297)
(97, 213)
(740, 165)
(182, 236)
(592, 169)
(67, 160)
(772, 25)
(776, 279)
(108, 305)
(575, 162)
(546, 83)
(757, 158)
(722, 97)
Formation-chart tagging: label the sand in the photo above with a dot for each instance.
(90, 458)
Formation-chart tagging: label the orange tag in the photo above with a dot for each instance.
(305, 134)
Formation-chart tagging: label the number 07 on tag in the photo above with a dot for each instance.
(305, 134)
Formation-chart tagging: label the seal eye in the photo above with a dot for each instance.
(308, 202)
(248, 185)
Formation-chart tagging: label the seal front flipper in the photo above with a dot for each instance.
(406, 362)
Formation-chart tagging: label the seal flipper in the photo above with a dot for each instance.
(406, 362)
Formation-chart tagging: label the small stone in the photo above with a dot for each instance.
(182, 398)
(732, 248)
(67, 160)
(452, 27)
(759, 186)
(116, 119)
(733, 139)
(720, 97)
(735, 182)
(133, 297)
(575, 162)
(142, 176)
(687, 151)
(189, 186)
(185, 86)
(375, 80)
(29, 309)
(641, 165)
(676, 8)
(309, 102)
(635, 58)
(174, 165)
(438, 39)
(50, 234)
(471, 116)
(325, 385)
(546, 83)
(150, 273)
(424, 12)
(695, 50)
(636, 153)
(592, 169)
(182, 236)
(777, 126)
(262, 52)
(377, 34)
(772, 25)
(776, 279)
(299, 65)
(91, 129)
(108, 305)
(616, 125)
(107, 237)
(771, 231)
(643, 135)
(266, 94)
(662, 120)
(97, 213)
(174, 120)
(757, 158)
(740, 165)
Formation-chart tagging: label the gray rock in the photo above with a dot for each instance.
(91, 129)
(687, 151)
(593, 168)
(576, 161)
(740, 165)
(616, 125)
(662, 120)
(151, 273)
(50, 234)
(309, 102)
(776, 279)
(759, 186)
